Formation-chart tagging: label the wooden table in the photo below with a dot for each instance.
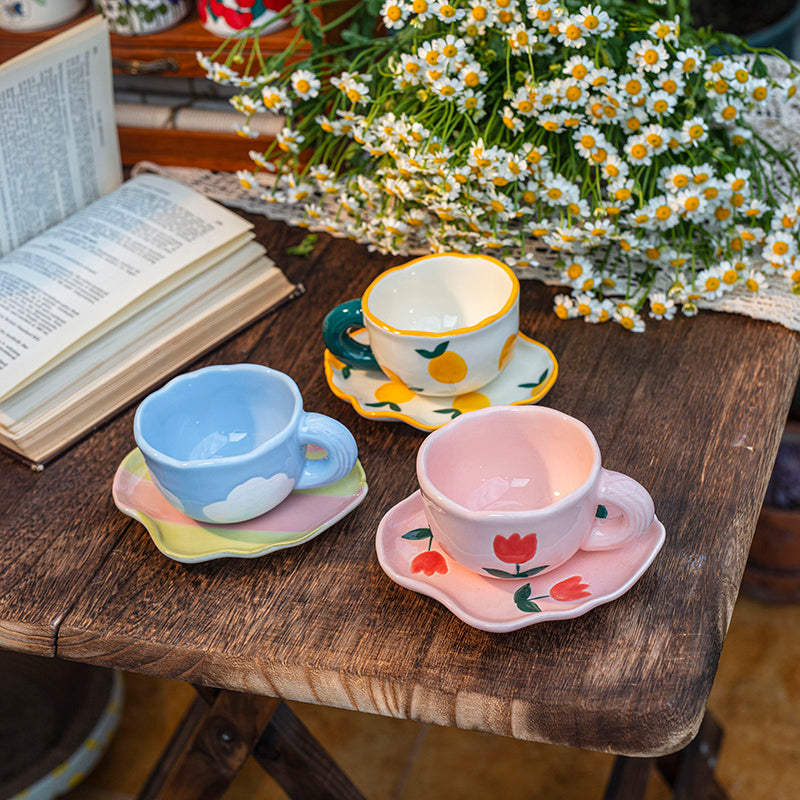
(693, 409)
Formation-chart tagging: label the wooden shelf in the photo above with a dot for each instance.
(170, 53)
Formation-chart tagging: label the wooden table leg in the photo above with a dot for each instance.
(218, 734)
(209, 747)
(690, 772)
(299, 764)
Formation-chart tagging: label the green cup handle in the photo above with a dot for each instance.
(337, 328)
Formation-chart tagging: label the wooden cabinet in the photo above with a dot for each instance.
(170, 53)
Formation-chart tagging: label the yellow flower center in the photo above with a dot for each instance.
(303, 86)
(574, 271)
(759, 93)
(650, 56)
(633, 86)
(479, 13)
(573, 33)
(639, 151)
(689, 64)
(579, 72)
(663, 212)
(394, 13)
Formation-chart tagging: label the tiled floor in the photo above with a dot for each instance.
(756, 697)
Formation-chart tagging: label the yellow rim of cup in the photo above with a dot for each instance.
(454, 331)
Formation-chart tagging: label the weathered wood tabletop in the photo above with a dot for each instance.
(693, 409)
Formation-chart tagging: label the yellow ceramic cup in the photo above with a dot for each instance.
(442, 324)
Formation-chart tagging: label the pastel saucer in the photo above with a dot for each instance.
(527, 377)
(411, 557)
(303, 515)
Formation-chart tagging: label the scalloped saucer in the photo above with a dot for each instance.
(587, 580)
(303, 515)
(526, 379)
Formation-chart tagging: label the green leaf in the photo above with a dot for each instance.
(542, 379)
(499, 573)
(436, 352)
(523, 593)
(305, 246)
(393, 406)
(453, 412)
(602, 512)
(522, 601)
(418, 533)
(525, 573)
(759, 68)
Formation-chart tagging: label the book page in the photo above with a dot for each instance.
(97, 267)
(59, 149)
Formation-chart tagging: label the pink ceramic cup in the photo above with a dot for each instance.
(515, 491)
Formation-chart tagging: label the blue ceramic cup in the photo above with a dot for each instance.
(228, 443)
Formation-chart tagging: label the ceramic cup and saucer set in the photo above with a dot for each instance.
(516, 521)
(433, 338)
(229, 463)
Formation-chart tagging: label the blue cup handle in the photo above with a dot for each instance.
(336, 440)
(337, 328)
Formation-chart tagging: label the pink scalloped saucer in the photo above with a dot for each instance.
(410, 556)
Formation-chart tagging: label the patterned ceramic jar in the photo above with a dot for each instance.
(229, 17)
(142, 16)
(37, 15)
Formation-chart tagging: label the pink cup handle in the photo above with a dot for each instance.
(629, 508)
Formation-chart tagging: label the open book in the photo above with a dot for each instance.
(106, 287)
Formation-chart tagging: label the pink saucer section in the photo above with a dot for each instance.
(410, 556)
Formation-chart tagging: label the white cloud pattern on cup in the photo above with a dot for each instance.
(247, 499)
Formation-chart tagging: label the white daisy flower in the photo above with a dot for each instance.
(305, 83)
(661, 306)
(755, 281)
(564, 307)
(394, 14)
(693, 131)
(628, 318)
(709, 283)
(648, 56)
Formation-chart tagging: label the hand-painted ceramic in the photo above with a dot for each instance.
(230, 17)
(515, 491)
(527, 378)
(37, 15)
(442, 325)
(411, 556)
(228, 443)
(298, 519)
(142, 16)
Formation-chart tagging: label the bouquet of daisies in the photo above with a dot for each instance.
(615, 138)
